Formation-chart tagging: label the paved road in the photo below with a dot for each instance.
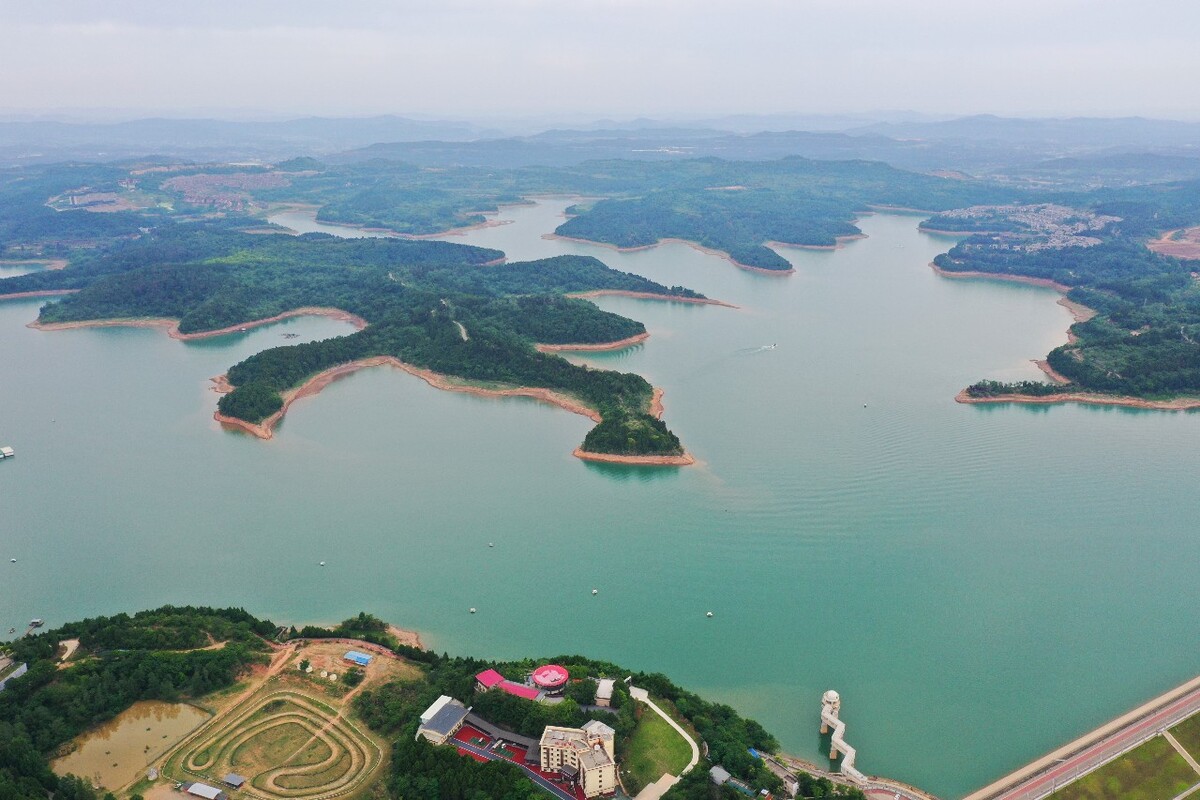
(1061, 771)
(534, 776)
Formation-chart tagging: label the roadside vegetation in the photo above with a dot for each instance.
(1150, 771)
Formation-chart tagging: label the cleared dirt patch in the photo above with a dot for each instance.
(1183, 243)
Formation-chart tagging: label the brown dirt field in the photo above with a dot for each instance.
(1182, 243)
(327, 656)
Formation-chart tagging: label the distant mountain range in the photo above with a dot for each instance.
(1023, 149)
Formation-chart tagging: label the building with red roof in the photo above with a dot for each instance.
(551, 678)
(491, 679)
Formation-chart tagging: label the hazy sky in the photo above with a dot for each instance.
(481, 58)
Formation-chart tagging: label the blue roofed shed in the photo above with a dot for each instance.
(355, 657)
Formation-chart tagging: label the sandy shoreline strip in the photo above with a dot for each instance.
(840, 243)
(1046, 282)
(265, 429)
(962, 234)
(47, 263)
(668, 298)
(406, 637)
(685, 460)
(620, 344)
(1178, 404)
(695, 246)
(172, 325)
(304, 208)
(41, 293)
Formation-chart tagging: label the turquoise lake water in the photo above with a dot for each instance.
(979, 583)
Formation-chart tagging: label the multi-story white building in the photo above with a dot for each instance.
(586, 755)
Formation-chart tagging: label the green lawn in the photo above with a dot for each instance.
(654, 749)
(1188, 735)
(1152, 771)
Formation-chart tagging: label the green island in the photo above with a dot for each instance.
(284, 709)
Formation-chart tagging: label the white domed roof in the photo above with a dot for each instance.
(831, 697)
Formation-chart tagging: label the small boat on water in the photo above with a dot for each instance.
(6, 452)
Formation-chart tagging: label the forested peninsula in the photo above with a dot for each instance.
(185, 654)
(1138, 343)
(449, 309)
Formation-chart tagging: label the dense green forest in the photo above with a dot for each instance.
(732, 206)
(414, 294)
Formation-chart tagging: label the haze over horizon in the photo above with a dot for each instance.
(473, 59)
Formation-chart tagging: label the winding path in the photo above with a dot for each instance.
(660, 786)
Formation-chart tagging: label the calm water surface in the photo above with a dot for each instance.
(117, 752)
(980, 583)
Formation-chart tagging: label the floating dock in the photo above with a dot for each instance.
(6, 452)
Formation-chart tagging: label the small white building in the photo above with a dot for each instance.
(442, 719)
(604, 692)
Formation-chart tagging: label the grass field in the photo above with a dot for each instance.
(1187, 733)
(1152, 771)
(654, 749)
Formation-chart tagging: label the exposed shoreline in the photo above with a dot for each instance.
(172, 325)
(839, 243)
(669, 298)
(671, 240)
(1081, 313)
(40, 293)
(265, 429)
(49, 264)
(685, 460)
(1178, 404)
(388, 232)
(619, 344)
(1044, 282)
(941, 232)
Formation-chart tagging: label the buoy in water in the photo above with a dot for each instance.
(595, 591)
(472, 609)
(13, 560)
(322, 563)
(709, 614)
(490, 544)
(864, 405)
